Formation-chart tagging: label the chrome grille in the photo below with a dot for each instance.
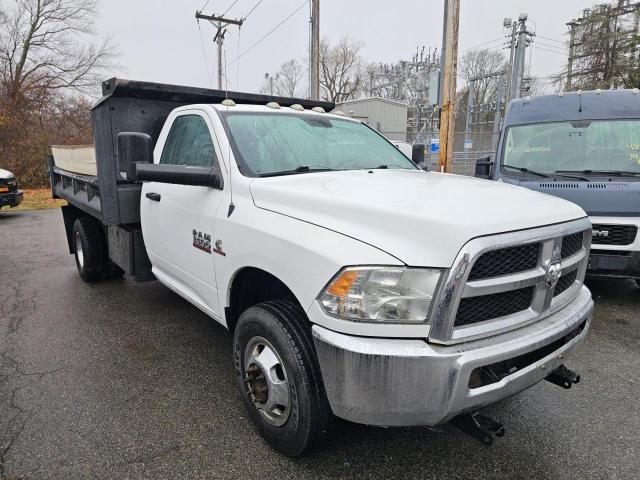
(522, 276)
(571, 244)
(505, 261)
(488, 307)
(565, 282)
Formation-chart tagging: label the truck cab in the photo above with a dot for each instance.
(583, 147)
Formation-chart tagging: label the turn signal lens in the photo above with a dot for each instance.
(381, 294)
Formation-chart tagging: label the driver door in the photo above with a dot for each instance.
(178, 220)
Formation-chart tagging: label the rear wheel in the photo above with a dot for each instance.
(88, 243)
(279, 377)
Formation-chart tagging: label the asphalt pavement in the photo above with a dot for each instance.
(121, 380)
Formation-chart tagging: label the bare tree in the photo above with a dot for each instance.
(290, 76)
(482, 63)
(341, 70)
(48, 61)
(44, 45)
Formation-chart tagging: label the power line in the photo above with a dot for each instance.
(564, 54)
(483, 44)
(227, 10)
(205, 5)
(548, 45)
(269, 32)
(204, 56)
(254, 7)
(551, 39)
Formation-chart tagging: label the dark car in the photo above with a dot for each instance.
(583, 147)
(10, 195)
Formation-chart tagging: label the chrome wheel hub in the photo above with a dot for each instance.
(79, 252)
(266, 381)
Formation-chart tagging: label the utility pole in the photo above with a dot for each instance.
(517, 67)
(271, 78)
(572, 44)
(221, 25)
(448, 89)
(508, 23)
(498, 116)
(314, 55)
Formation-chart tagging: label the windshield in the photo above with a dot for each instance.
(271, 143)
(581, 146)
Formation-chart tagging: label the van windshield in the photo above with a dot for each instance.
(268, 144)
(582, 146)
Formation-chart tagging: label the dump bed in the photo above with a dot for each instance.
(131, 106)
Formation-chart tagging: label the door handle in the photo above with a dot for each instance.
(153, 196)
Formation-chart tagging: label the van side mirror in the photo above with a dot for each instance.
(483, 167)
(418, 153)
(133, 147)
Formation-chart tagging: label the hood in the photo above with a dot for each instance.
(421, 218)
(607, 198)
(5, 174)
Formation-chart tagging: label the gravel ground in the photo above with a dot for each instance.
(125, 380)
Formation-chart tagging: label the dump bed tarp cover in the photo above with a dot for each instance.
(118, 87)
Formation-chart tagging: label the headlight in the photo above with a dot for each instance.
(381, 294)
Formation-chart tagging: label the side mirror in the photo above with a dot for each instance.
(133, 148)
(483, 167)
(180, 175)
(418, 153)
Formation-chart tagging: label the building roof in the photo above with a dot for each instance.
(372, 99)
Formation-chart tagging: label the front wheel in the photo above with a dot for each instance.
(279, 377)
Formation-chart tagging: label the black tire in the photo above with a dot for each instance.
(89, 249)
(114, 271)
(638, 282)
(286, 328)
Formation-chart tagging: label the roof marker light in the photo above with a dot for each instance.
(275, 105)
(319, 110)
(598, 91)
(635, 91)
(561, 94)
(579, 92)
(298, 107)
(227, 102)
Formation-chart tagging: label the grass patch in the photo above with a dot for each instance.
(38, 199)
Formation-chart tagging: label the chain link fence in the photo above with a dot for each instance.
(468, 147)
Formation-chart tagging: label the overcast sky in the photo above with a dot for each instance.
(161, 41)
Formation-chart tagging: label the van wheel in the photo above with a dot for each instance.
(88, 243)
(279, 377)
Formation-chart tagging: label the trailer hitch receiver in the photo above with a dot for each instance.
(563, 377)
(479, 427)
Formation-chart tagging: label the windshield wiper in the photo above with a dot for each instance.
(565, 174)
(526, 170)
(300, 169)
(619, 173)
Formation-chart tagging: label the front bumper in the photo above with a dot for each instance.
(12, 199)
(614, 263)
(402, 382)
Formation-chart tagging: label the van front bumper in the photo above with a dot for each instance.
(404, 382)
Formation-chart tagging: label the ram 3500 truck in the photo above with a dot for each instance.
(583, 147)
(306, 235)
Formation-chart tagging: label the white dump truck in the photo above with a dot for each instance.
(306, 234)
